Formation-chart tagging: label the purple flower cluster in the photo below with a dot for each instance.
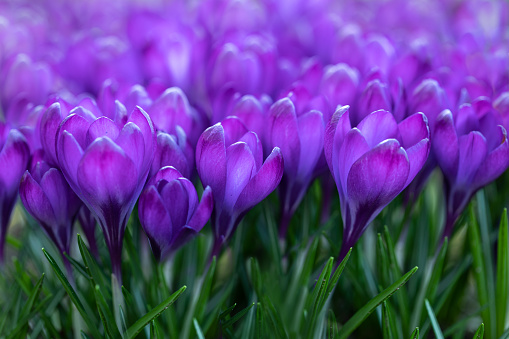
(103, 103)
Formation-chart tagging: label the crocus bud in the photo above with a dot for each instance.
(472, 152)
(172, 109)
(229, 159)
(372, 163)
(375, 96)
(173, 151)
(170, 213)
(14, 156)
(48, 199)
(339, 84)
(300, 139)
(429, 98)
(106, 163)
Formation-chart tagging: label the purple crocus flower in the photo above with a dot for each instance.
(173, 151)
(48, 198)
(14, 156)
(229, 159)
(106, 163)
(372, 163)
(300, 139)
(170, 213)
(472, 150)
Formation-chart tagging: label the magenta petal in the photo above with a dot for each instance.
(132, 142)
(175, 197)
(234, 129)
(472, 153)
(445, 144)
(167, 173)
(192, 196)
(106, 175)
(494, 165)
(211, 160)
(240, 167)
(141, 119)
(353, 147)
(417, 156)
(77, 126)
(102, 127)
(311, 133)
(168, 153)
(35, 200)
(203, 211)
(378, 126)
(284, 133)
(263, 183)
(154, 217)
(335, 132)
(378, 176)
(255, 145)
(13, 161)
(413, 129)
(55, 187)
(50, 121)
(69, 156)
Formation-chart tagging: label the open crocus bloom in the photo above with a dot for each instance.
(372, 163)
(472, 150)
(106, 163)
(170, 213)
(229, 159)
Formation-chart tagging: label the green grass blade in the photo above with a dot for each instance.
(386, 322)
(434, 322)
(502, 274)
(138, 326)
(110, 327)
(236, 317)
(199, 332)
(366, 310)
(92, 327)
(479, 334)
(415, 334)
(479, 265)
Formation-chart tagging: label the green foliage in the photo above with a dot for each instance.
(262, 286)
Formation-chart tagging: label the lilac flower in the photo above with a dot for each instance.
(48, 198)
(300, 139)
(372, 163)
(170, 213)
(472, 150)
(339, 85)
(106, 163)
(14, 156)
(229, 159)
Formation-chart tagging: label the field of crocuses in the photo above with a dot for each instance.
(254, 169)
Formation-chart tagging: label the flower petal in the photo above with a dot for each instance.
(211, 160)
(311, 133)
(378, 176)
(445, 144)
(353, 147)
(284, 133)
(494, 165)
(203, 211)
(13, 161)
(132, 142)
(106, 176)
(234, 129)
(255, 145)
(335, 132)
(240, 168)
(473, 149)
(50, 121)
(175, 197)
(69, 156)
(102, 127)
(35, 200)
(263, 183)
(413, 129)
(378, 126)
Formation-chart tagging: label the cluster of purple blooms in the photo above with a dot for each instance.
(103, 106)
